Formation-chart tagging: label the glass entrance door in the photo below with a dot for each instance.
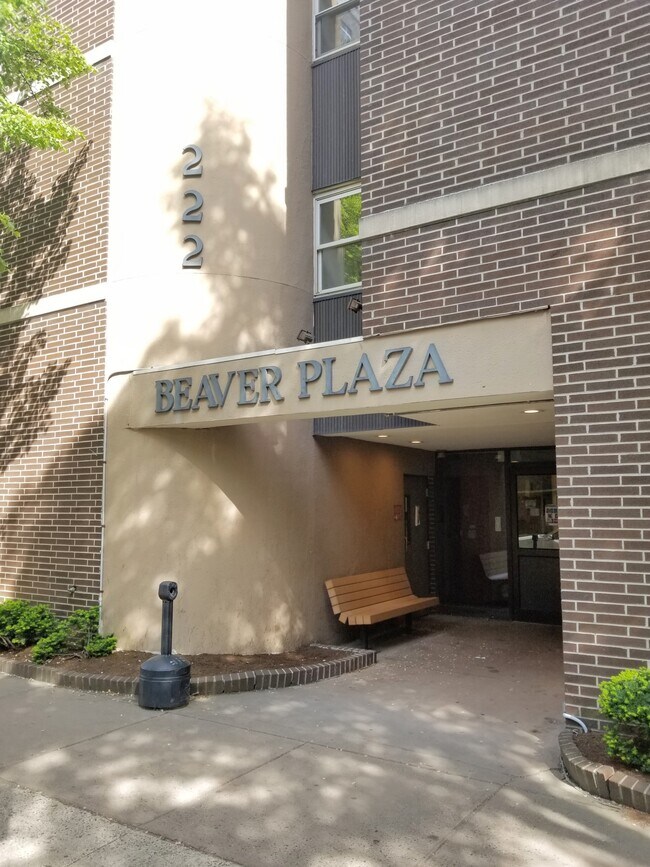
(471, 533)
(535, 544)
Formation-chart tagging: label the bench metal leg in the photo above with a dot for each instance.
(364, 635)
(409, 622)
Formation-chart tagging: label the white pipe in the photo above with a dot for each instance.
(574, 719)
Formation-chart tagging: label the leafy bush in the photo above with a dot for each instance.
(101, 645)
(22, 623)
(78, 633)
(625, 698)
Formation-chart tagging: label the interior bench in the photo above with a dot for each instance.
(362, 600)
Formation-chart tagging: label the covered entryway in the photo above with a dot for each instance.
(218, 458)
(497, 538)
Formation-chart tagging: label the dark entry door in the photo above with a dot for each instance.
(535, 545)
(471, 548)
(416, 534)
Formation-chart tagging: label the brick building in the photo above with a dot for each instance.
(450, 198)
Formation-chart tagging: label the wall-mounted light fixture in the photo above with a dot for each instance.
(354, 305)
(305, 336)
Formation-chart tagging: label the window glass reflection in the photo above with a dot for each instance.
(339, 218)
(537, 513)
(336, 30)
(340, 266)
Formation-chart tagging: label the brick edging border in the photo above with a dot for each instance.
(216, 684)
(630, 789)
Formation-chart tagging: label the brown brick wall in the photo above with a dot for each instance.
(91, 21)
(458, 94)
(586, 256)
(52, 367)
(455, 94)
(59, 201)
(554, 250)
(51, 453)
(601, 349)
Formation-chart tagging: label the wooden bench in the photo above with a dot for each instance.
(362, 600)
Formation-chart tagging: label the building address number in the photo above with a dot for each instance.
(193, 212)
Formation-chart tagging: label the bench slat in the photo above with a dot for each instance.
(368, 586)
(371, 597)
(366, 576)
(366, 600)
(368, 617)
(362, 592)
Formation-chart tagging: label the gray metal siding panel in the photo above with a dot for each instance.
(337, 149)
(332, 319)
(342, 424)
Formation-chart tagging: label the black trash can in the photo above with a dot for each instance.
(165, 679)
(164, 682)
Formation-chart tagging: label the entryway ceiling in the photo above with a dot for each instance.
(505, 425)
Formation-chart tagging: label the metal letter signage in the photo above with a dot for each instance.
(464, 364)
(400, 369)
(193, 212)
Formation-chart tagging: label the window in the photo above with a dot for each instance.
(336, 25)
(338, 248)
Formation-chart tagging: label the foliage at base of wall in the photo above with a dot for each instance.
(625, 699)
(23, 624)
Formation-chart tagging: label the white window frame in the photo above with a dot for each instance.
(340, 6)
(331, 196)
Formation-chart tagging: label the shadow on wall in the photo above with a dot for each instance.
(68, 497)
(34, 258)
(43, 220)
(222, 511)
(253, 282)
(38, 382)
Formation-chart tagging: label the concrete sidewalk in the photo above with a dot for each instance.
(443, 753)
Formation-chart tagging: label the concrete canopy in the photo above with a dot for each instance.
(495, 360)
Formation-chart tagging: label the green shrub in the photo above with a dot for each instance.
(49, 646)
(625, 699)
(78, 633)
(22, 623)
(101, 645)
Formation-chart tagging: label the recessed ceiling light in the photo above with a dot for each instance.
(382, 436)
(530, 411)
(416, 442)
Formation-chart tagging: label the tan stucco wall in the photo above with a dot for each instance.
(202, 75)
(250, 522)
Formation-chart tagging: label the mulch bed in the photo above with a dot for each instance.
(126, 663)
(592, 747)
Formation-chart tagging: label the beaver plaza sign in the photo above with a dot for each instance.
(464, 364)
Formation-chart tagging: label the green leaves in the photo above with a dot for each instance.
(78, 633)
(22, 623)
(18, 126)
(34, 48)
(37, 57)
(625, 698)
